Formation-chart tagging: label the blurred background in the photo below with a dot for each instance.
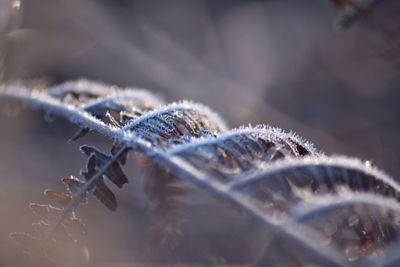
(285, 63)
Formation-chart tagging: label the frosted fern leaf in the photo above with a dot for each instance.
(297, 193)
(238, 153)
(286, 183)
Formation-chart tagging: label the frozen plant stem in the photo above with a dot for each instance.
(138, 140)
(82, 190)
(274, 176)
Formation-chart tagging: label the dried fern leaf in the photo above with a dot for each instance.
(174, 124)
(58, 197)
(88, 94)
(101, 191)
(124, 155)
(361, 225)
(155, 133)
(238, 153)
(114, 172)
(60, 227)
(285, 183)
(114, 108)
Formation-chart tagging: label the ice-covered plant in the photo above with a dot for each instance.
(319, 210)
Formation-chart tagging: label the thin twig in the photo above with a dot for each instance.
(82, 190)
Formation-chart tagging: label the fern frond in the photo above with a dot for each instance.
(361, 225)
(238, 153)
(60, 227)
(188, 140)
(322, 175)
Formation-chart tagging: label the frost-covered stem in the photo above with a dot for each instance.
(313, 165)
(86, 187)
(185, 171)
(53, 106)
(325, 204)
(174, 164)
